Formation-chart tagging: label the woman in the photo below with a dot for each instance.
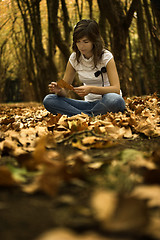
(96, 70)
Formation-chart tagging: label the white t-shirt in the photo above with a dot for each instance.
(85, 69)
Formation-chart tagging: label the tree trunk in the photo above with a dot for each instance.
(90, 9)
(136, 85)
(145, 57)
(79, 8)
(67, 27)
(120, 24)
(62, 45)
(102, 22)
(154, 29)
(40, 67)
(28, 48)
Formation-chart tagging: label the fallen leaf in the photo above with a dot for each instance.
(6, 178)
(156, 157)
(104, 204)
(67, 234)
(150, 193)
(119, 213)
(95, 165)
(153, 228)
(48, 181)
(96, 142)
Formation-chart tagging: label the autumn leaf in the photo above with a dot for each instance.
(48, 181)
(136, 158)
(151, 193)
(118, 213)
(62, 84)
(67, 234)
(97, 142)
(52, 122)
(156, 157)
(6, 178)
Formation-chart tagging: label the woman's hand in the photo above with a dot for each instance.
(82, 90)
(54, 88)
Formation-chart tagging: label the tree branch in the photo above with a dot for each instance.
(130, 13)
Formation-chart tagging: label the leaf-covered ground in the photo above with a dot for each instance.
(90, 178)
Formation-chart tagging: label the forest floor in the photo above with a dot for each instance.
(80, 178)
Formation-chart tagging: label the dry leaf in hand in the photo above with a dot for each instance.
(61, 83)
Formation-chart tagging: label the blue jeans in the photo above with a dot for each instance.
(110, 102)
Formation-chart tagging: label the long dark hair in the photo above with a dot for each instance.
(90, 29)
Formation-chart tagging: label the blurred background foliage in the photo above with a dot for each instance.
(36, 41)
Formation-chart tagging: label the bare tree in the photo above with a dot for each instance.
(120, 23)
(41, 68)
(55, 29)
(154, 29)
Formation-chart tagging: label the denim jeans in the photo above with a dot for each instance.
(110, 102)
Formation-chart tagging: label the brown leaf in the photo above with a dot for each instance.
(150, 193)
(156, 157)
(26, 160)
(67, 234)
(40, 156)
(78, 144)
(128, 133)
(153, 228)
(6, 179)
(78, 156)
(7, 120)
(53, 120)
(62, 84)
(104, 204)
(95, 165)
(119, 213)
(146, 126)
(49, 180)
(97, 142)
(9, 147)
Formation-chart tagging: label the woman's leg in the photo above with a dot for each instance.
(67, 106)
(111, 102)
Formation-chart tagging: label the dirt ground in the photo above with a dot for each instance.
(25, 217)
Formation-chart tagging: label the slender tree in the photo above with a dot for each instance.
(55, 28)
(119, 22)
(79, 8)
(154, 29)
(90, 2)
(145, 48)
(41, 67)
(66, 22)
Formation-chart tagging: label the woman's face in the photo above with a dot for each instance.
(85, 46)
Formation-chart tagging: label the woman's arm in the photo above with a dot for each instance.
(113, 79)
(69, 73)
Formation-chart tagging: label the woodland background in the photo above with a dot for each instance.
(78, 177)
(36, 41)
